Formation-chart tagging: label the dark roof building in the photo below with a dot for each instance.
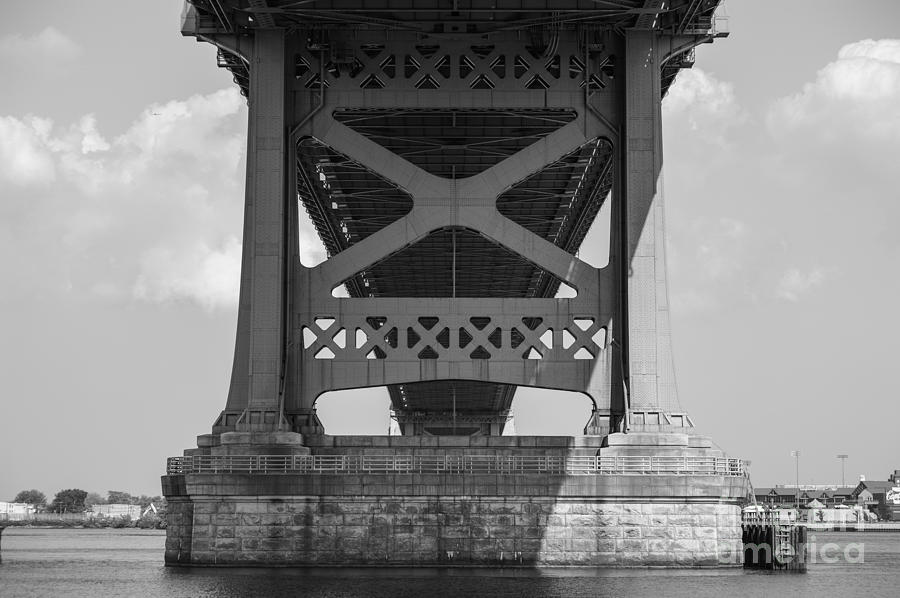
(874, 494)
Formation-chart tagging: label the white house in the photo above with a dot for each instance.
(16, 511)
(116, 510)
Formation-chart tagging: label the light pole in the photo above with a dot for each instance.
(843, 459)
(796, 456)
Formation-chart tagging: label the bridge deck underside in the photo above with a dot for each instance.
(346, 203)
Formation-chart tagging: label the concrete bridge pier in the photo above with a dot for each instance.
(459, 501)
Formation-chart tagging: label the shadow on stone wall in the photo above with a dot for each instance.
(529, 520)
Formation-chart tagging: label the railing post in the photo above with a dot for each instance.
(459, 464)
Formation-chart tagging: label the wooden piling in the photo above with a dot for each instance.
(774, 544)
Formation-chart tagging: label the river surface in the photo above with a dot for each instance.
(96, 563)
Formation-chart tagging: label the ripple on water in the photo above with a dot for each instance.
(104, 562)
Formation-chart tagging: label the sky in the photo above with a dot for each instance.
(121, 183)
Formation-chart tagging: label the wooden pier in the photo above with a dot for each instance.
(774, 541)
(3, 519)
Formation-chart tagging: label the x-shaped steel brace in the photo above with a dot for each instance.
(427, 338)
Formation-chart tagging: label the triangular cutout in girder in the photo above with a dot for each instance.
(583, 353)
(324, 353)
(599, 338)
(482, 82)
(547, 338)
(372, 82)
(479, 353)
(361, 338)
(427, 82)
(583, 323)
(428, 353)
(340, 338)
(532, 353)
(309, 337)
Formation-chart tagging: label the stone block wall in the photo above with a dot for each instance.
(179, 530)
(457, 531)
(523, 519)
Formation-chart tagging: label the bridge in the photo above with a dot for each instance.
(452, 157)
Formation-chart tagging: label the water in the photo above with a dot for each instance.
(108, 562)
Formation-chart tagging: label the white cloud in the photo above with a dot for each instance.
(49, 43)
(24, 156)
(865, 71)
(795, 283)
(91, 140)
(210, 277)
(708, 263)
(857, 95)
(721, 250)
(833, 151)
(693, 301)
(707, 105)
(153, 214)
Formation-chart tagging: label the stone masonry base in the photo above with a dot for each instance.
(452, 531)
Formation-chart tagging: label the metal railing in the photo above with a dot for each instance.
(769, 517)
(456, 464)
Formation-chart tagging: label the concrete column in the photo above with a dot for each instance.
(254, 398)
(650, 368)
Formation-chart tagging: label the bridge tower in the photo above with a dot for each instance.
(452, 157)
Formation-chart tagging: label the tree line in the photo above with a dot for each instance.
(75, 500)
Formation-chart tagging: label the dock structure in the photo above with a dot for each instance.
(452, 158)
(774, 541)
(4, 521)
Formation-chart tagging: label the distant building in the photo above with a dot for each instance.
(116, 510)
(842, 495)
(831, 497)
(16, 511)
(880, 497)
(785, 496)
(776, 497)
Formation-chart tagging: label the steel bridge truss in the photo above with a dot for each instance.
(452, 163)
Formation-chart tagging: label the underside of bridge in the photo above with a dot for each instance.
(452, 156)
(349, 203)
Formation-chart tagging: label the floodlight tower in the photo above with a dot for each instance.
(843, 459)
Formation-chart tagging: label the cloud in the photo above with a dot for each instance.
(24, 156)
(833, 149)
(152, 214)
(210, 277)
(795, 283)
(708, 260)
(707, 105)
(47, 44)
(865, 74)
(91, 140)
(852, 109)
(719, 254)
(693, 301)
